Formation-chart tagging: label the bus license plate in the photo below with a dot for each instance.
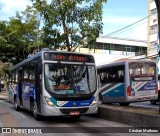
(74, 113)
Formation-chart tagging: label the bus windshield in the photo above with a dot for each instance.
(142, 70)
(70, 79)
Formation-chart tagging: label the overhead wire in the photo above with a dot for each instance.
(124, 28)
(129, 28)
(110, 34)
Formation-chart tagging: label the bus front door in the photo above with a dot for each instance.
(20, 80)
(38, 87)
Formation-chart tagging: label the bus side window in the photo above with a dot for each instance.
(121, 78)
(116, 78)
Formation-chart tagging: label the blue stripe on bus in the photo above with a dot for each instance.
(74, 103)
(116, 92)
(150, 85)
(79, 103)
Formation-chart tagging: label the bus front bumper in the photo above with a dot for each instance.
(62, 111)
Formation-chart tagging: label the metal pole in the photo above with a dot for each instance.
(159, 100)
(158, 15)
(38, 24)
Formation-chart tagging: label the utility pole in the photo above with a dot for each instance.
(158, 15)
(38, 25)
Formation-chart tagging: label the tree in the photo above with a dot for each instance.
(18, 36)
(6, 52)
(3, 70)
(71, 22)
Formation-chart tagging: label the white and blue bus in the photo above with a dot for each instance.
(55, 83)
(128, 81)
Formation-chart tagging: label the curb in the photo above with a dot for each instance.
(140, 118)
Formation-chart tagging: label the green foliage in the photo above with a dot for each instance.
(59, 24)
(77, 22)
(18, 36)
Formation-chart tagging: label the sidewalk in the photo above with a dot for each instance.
(4, 96)
(6, 118)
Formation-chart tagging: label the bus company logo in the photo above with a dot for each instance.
(74, 104)
(6, 130)
(61, 103)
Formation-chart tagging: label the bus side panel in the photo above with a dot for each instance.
(12, 92)
(19, 89)
(38, 88)
(113, 92)
(27, 94)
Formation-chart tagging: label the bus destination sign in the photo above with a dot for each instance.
(68, 57)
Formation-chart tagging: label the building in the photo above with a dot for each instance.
(115, 48)
(152, 29)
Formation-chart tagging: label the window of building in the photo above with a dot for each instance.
(153, 29)
(154, 11)
(151, 1)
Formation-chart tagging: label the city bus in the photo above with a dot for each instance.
(153, 102)
(128, 81)
(55, 83)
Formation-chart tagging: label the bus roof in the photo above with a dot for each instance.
(39, 54)
(122, 62)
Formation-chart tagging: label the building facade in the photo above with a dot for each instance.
(115, 48)
(152, 29)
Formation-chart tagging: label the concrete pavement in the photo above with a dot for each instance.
(6, 119)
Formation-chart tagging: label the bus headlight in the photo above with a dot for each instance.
(49, 102)
(95, 101)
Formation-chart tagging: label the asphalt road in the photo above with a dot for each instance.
(85, 126)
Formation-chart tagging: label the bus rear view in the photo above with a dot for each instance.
(143, 81)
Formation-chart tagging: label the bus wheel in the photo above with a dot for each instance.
(153, 102)
(36, 115)
(16, 105)
(101, 98)
(124, 103)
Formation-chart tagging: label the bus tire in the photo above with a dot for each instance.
(153, 102)
(37, 116)
(16, 105)
(101, 98)
(124, 103)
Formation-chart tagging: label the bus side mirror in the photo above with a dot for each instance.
(39, 68)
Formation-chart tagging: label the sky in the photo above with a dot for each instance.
(117, 14)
